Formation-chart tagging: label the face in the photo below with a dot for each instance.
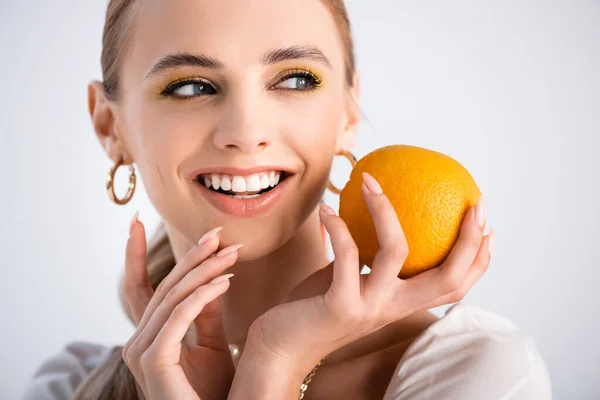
(257, 95)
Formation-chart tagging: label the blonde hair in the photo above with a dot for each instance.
(112, 378)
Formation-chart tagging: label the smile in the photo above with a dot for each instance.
(242, 187)
(243, 196)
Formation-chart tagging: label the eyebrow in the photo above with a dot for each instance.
(272, 57)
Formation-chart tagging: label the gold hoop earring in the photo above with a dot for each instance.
(352, 159)
(110, 187)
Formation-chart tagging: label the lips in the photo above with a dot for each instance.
(251, 206)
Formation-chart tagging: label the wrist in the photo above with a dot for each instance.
(260, 375)
(256, 353)
(297, 365)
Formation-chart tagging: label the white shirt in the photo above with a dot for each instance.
(469, 354)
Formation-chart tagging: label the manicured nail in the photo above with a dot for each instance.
(480, 212)
(221, 278)
(228, 250)
(208, 235)
(491, 241)
(326, 209)
(372, 184)
(133, 221)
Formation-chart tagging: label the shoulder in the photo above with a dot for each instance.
(471, 353)
(59, 376)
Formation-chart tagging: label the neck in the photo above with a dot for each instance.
(261, 284)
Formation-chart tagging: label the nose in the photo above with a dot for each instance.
(242, 126)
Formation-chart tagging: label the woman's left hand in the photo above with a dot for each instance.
(301, 332)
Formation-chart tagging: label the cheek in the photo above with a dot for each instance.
(167, 134)
(315, 126)
(168, 131)
(312, 133)
(163, 139)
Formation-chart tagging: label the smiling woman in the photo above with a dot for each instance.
(232, 112)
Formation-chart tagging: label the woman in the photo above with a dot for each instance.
(233, 112)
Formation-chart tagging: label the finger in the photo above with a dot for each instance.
(462, 255)
(191, 260)
(136, 286)
(207, 271)
(393, 247)
(424, 291)
(479, 267)
(346, 273)
(173, 331)
(209, 327)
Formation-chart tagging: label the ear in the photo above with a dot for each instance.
(103, 114)
(351, 118)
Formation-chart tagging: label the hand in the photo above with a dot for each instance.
(301, 332)
(165, 361)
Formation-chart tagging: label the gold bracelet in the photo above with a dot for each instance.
(309, 377)
(237, 350)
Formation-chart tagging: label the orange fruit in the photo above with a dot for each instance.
(431, 193)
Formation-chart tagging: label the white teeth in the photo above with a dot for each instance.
(225, 182)
(248, 184)
(216, 181)
(264, 181)
(238, 184)
(245, 196)
(272, 179)
(253, 183)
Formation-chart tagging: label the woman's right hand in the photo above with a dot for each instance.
(164, 363)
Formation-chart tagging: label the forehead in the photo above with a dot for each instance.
(236, 32)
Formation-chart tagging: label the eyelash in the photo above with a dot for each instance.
(169, 90)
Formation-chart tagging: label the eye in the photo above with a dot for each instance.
(189, 88)
(303, 81)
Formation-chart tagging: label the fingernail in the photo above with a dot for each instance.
(228, 250)
(491, 241)
(326, 209)
(208, 235)
(372, 184)
(480, 212)
(133, 221)
(221, 278)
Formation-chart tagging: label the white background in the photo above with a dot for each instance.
(509, 88)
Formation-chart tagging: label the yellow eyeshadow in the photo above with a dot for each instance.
(169, 80)
(303, 69)
(175, 77)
